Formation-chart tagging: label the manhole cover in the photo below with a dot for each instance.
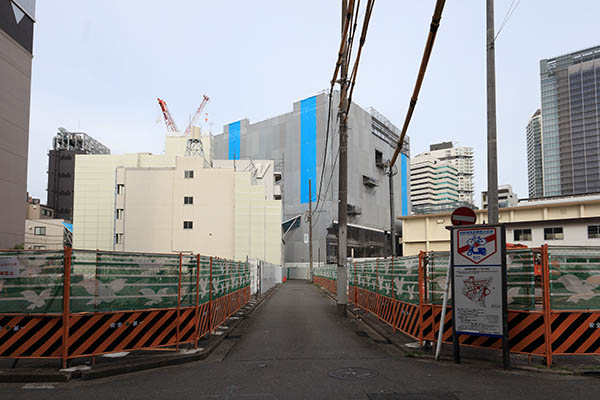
(352, 373)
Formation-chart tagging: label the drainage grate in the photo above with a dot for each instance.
(352, 373)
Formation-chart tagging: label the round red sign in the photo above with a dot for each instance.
(463, 216)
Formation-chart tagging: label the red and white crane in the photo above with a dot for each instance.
(196, 115)
(170, 123)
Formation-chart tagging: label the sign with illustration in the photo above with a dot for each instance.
(479, 296)
(477, 246)
(478, 300)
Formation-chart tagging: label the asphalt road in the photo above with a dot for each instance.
(288, 349)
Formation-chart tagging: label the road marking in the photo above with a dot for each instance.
(37, 385)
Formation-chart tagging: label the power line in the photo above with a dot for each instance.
(509, 14)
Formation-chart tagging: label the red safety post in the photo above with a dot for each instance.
(394, 317)
(197, 300)
(546, 304)
(355, 286)
(66, 304)
(178, 302)
(377, 287)
(210, 298)
(421, 294)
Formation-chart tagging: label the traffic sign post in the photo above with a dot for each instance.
(463, 216)
(479, 298)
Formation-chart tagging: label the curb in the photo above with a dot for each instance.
(33, 375)
(175, 359)
(46, 375)
(420, 355)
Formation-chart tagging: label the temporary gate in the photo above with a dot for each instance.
(77, 303)
(553, 310)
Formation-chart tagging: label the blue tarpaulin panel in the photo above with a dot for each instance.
(234, 141)
(404, 183)
(308, 148)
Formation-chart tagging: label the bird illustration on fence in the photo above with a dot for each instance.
(102, 292)
(155, 298)
(36, 300)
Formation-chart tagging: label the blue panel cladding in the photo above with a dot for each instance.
(308, 148)
(234, 141)
(404, 183)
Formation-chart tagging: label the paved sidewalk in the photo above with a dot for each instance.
(291, 347)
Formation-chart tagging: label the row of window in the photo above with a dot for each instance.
(186, 174)
(555, 233)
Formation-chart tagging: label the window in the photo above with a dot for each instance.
(120, 188)
(522, 234)
(593, 231)
(553, 234)
(120, 212)
(118, 238)
(46, 212)
(188, 225)
(378, 159)
(39, 247)
(188, 200)
(39, 230)
(188, 174)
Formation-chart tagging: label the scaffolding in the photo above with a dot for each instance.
(65, 140)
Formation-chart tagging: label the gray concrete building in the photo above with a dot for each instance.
(61, 168)
(570, 88)
(16, 43)
(534, 156)
(300, 146)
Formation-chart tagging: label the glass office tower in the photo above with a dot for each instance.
(570, 115)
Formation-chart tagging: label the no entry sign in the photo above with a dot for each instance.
(463, 216)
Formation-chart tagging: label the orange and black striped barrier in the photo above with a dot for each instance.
(73, 315)
(557, 315)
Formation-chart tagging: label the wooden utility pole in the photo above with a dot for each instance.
(342, 275)
(310, 242)
(492, 155)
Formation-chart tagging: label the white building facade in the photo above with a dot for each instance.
(462, 159)
(432, 182)
(176, 203)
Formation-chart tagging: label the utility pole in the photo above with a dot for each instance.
(492, 154)
(310, 254)
(392, 216)
(342, 277)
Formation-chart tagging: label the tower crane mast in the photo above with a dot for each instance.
(171, 127)
(196, 115)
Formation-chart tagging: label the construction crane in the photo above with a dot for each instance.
(195, 117)
(171, 127)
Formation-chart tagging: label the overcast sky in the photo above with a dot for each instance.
(99, 66)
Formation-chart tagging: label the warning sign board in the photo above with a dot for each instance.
(478, 264)
(477, 246)
(478, 301)
(9, 267)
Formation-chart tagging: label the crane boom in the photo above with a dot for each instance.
(171, 127)
(196, 115)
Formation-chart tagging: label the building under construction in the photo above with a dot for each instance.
(61, 168)
(301, 145)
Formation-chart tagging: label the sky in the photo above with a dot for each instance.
(99, 66)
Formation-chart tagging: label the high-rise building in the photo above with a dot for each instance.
(534, 155)
(506, 197)
(61, 168)
(16, 43)
(570, 89)
(462, 159)
(433, 184)
(297, 142)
